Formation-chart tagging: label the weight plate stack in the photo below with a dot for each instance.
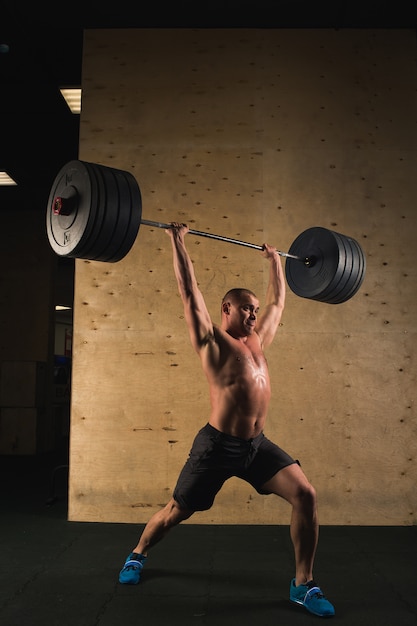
(335, 269)
(99, 212)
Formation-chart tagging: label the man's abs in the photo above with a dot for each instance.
(240, 412)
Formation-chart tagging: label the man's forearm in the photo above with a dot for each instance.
(276, 288)
(183, 266)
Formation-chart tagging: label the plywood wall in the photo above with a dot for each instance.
(256, 135)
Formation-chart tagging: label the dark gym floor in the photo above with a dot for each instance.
(60, 573)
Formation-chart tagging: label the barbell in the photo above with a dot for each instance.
(94, 212)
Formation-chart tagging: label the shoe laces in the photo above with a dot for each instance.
(314, 590)
(133, 564)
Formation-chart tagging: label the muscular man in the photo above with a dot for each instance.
(232, 443)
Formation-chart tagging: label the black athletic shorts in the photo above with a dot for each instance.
(215, 457)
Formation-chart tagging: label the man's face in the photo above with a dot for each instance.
(242, 315)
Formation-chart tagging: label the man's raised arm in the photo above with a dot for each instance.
(197, 316)
(275, 297)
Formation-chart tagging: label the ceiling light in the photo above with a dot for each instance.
(72, 97)
(5, 179)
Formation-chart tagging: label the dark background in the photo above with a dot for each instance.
(45, 53)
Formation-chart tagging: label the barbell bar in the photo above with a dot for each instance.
(94, 212)
(238, 242)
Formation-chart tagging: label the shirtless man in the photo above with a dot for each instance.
(232, 443)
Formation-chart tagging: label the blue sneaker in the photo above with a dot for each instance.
(132, 569)
(312, 598)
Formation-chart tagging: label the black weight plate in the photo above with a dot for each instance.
(67, 233)
(343, 272)
(349, 279)
(336, 294)
(120, 215)
(361, 275)
(349, 275)
(87, 247)
(311, 281)
(130, 214)
(109, 200)
(359, 264)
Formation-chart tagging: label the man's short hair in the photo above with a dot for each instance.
(236, 293)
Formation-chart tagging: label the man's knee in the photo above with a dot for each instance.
(175, 513)
(306, 495)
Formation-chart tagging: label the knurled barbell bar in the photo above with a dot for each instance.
(94, 212)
